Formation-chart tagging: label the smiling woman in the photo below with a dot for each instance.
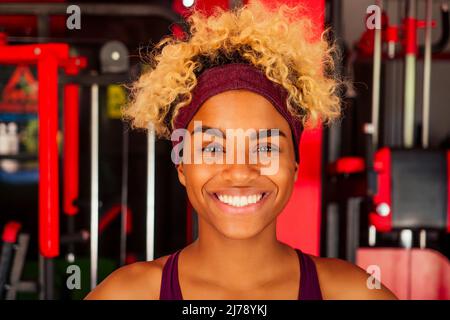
(248, 70)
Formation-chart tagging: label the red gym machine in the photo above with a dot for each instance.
(48, 58)
(406, 183)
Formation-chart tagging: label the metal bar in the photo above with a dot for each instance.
(70, 252)
(94, 184)
(48, 157)
(49, 269)
(410, 74)
(93, 9)
(427, 75)
(332, 250)
(371, 130)
(29, 39)
(390, 45)
(71, 148)
(19, 261)
(150, 220)
(376, 83)
(423, 239)
(372, 236)
(6, 261)
(124, 196)
(27, 286)
(99, 79)
(41, 278)
(335, 129)
(352, 243)
(33, 53)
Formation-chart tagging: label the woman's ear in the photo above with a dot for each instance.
(181, 175)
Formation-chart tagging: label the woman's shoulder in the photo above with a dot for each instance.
(340, 279)
(136, 281)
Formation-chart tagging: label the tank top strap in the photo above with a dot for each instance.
(170, 285)
(309, 288)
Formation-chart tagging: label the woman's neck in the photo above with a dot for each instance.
(228, 261)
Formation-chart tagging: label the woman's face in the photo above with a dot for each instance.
(236, 198)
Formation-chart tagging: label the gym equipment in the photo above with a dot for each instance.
(401, 188)
(412, 183)
(49, 220)
(114, 57)
(427, 75)
(48, 57)
(412, 190)
(150, 231)
(94, 184)
(125, 222)
(410, 74)
(12, 259)
(114, 65)
(10, 235)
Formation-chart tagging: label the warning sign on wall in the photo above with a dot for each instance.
(20, 93)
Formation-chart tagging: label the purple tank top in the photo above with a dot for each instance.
(309, 288)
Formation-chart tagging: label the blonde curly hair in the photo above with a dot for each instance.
(275, 41)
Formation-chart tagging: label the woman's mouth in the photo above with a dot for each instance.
(239, 203)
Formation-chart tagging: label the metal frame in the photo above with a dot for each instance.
(150, 226)
(92, 9)
(427, 75)
(15, 284)
(48, 58)
(411, 50)
(94, 184)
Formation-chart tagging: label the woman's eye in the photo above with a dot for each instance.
(267, 148)
(212, 149)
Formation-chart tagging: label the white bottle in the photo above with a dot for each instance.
(13, 138)
(4, 141)
(11, 143)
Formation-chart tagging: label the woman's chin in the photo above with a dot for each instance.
(240, 232)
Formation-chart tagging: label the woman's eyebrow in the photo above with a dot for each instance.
(265, 133)
(260, 134)
(213, 131)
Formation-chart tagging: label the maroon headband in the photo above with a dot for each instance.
(235, 76)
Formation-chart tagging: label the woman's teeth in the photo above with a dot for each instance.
(240, 201)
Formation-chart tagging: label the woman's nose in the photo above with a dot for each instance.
(240, 173)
